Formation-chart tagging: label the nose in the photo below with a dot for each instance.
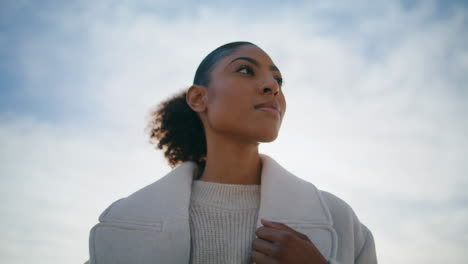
(270, 86)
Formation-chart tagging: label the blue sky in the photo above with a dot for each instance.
(25, 22)
(376, 94)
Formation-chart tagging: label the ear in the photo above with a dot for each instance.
(197, 98)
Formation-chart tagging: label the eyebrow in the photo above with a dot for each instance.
(255, 62)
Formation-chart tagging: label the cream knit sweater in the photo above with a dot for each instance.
(222, 221)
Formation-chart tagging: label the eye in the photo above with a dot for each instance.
(279, 80)
(245, 69)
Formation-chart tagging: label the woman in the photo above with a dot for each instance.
(224, 202)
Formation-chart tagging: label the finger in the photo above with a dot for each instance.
(277, 225)
(265, 247)
(260, 258)
(285, 227)
(270, 234)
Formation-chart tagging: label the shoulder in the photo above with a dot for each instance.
(347, 224)
(160, 199)
(341, 212)
(338, 208)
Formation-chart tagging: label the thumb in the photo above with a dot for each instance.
(273, 224)
(282, 226)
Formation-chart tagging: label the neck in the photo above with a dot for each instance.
(232, 163)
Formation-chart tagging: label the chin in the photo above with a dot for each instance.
(265, 138)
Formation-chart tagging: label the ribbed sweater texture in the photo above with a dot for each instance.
(222, 221)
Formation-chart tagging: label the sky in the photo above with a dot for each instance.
(376, 97)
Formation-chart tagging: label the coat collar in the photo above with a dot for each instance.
(164, 206)
(287, 198)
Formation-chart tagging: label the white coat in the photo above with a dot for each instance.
(152, 224)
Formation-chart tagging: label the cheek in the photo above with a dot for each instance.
(231, 110)
(283, 103)
(229, 104)
(231, 97)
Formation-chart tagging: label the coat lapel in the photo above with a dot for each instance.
(149, 226)
(153, 223)
(288, 199)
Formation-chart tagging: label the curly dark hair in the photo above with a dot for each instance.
(178, 130)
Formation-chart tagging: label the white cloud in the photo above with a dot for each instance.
(55, 183)
(377, 111)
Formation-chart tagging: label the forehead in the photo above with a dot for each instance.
(251, 51)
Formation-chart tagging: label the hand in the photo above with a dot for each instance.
(278, 243)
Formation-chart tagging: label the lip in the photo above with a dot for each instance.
(271, 106)
(270, 110)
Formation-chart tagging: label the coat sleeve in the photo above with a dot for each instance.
(355, 241)
(367, 254)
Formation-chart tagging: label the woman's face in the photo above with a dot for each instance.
(239, 83)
